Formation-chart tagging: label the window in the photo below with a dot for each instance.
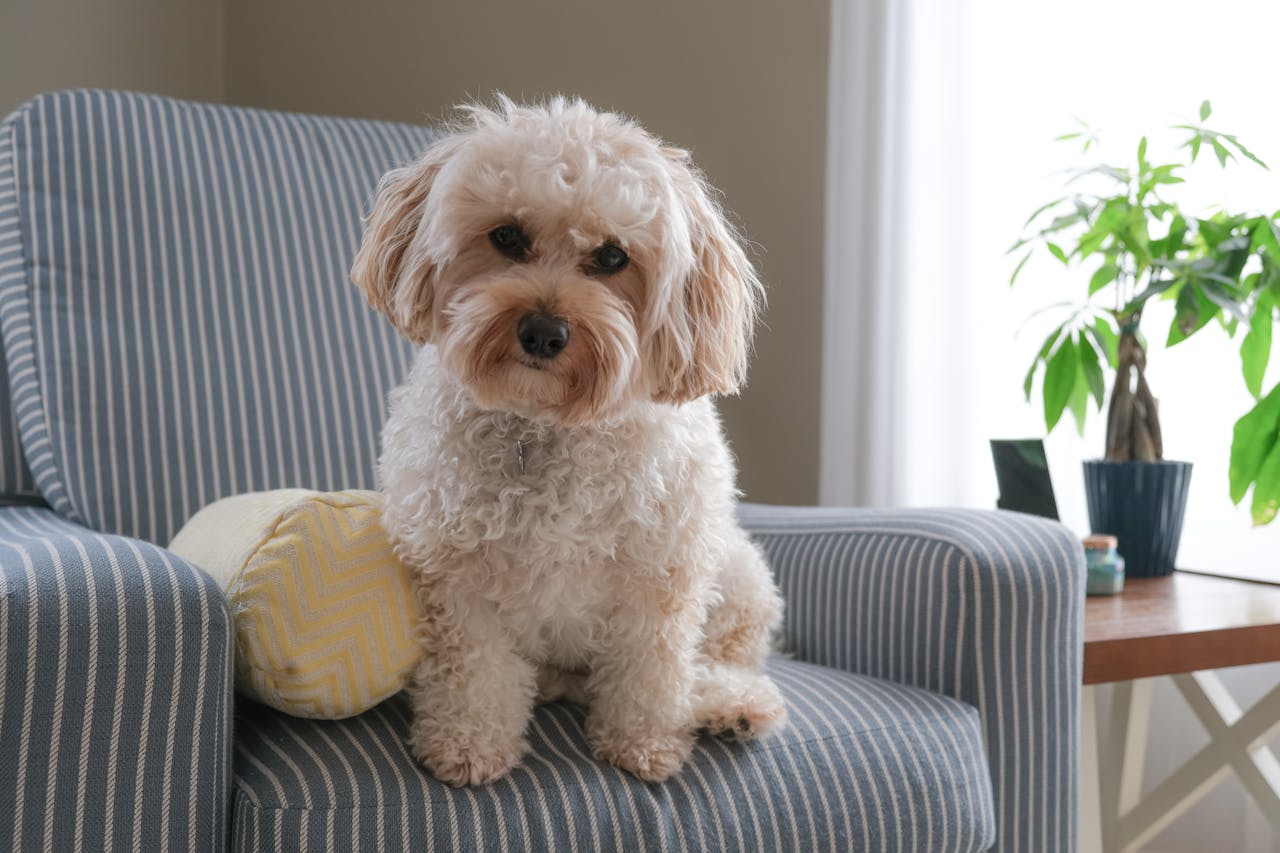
(980, 158)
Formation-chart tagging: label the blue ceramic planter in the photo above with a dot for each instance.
(1142, 505)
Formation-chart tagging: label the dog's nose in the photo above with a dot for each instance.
(541, 335)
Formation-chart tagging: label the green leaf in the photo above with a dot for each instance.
(1113, 216)
(1266, 489)
(1254, 439)
(1221, 292)
(1221, 151)
(1192, 311)
(1035, 362)
(1107, 338)
(1120, 176)
(1216, 229)
(1056, 251)
(1255, 349)
(1187, 308)
(1266, 235)
(1092, 370)
(1079, 402)
(1105, 275)
(1165, 174)
(1042, 208)
(1195, 146)
(1169, 245)
(1136, 238)
(1205, 109)
(1155, 288)
(1041, 356)
(1059, 381)
(1061, 222)
(1236, 144)
(1271, 277)
(1022, 263)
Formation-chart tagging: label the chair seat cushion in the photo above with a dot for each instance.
(863, 764)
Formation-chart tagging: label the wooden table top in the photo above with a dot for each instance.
(1182, 623)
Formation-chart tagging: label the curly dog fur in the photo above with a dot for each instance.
(565, 496)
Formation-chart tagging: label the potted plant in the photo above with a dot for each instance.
(1121, 227)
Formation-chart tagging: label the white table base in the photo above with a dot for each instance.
(1114, 816)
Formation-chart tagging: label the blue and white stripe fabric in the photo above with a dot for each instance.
(115, 693)
(864, 765)
(178, 321)
(16, 483)
(986, 607)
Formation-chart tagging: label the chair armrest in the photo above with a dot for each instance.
(986, 607)
(115, 692)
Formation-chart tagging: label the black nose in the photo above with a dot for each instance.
(541, 335)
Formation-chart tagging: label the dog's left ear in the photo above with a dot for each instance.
(396, 278)
(702, 344)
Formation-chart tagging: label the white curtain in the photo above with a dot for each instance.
(940, 127)
(893, 313)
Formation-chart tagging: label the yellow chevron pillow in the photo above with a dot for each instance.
(323, 609)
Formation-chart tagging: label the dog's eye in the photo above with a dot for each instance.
(510, 241)
(609, 258)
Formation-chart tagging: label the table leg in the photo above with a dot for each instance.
(1090, 824)
(1237, 743)
(1121, 771)
(1124, 819)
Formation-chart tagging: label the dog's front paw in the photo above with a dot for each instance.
(458, 763)
(654, 758)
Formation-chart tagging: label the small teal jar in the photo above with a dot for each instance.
(1105, 566)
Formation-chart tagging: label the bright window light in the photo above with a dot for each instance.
(1023, 72)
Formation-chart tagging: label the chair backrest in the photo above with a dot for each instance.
(177, 319)
(17, 485)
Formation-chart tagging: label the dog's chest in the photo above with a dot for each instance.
(571, 520)
(556, 496)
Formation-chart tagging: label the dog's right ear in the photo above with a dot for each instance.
(395, 276)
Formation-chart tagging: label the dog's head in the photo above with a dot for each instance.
(564, 262)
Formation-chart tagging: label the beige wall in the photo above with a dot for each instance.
(169, 46)
(743, 84)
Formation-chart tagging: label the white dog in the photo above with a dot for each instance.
(554, 469)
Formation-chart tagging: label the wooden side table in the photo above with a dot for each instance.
(1182, 626)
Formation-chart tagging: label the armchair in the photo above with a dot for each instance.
(173, 312)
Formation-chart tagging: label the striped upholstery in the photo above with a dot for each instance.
(16, 482)
(17, 486)
(864, 765)
(986, 607)
(115, 693)
(180, 325)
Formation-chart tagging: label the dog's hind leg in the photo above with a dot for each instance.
(740, 628)
(735, 702)
(732, 695)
